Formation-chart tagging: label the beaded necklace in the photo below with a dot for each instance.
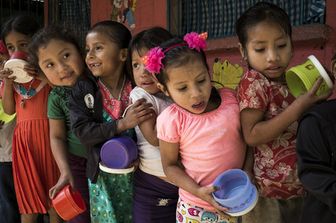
(27, 93)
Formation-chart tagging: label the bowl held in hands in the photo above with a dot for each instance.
(236, 192)
(301, 78)
(16, 63)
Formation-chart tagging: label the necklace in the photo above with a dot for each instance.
(27, 93)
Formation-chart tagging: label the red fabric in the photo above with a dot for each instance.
(34, 168)
(115, 106)
(3, 48)
(275, 166)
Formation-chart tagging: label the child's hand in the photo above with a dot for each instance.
(205, 193)
(5, 73)
(33, 72)
(138, 112)
(62, 182)
(309, 98)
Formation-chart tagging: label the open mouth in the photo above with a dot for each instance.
(199, 106)
(94, 65)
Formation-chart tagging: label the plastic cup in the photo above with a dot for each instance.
(236, 192)
(5, 117)
(16, 63)
(68, 203)
(301, 78)
(119, 152)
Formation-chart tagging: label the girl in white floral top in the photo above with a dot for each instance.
(269, 112)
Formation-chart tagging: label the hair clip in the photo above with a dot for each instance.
(196, 41)
(153, 60)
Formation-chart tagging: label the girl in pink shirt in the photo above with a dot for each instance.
(200, 133)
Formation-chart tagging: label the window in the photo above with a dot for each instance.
(218, 17)
(12, 7)
(74, 14)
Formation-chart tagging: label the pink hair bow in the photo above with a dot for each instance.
(153, 59)
(196, 41)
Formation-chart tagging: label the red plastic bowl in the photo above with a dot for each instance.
(19, 55)
(68, 203)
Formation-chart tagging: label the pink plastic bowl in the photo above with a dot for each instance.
(19, 55)
(68, 203)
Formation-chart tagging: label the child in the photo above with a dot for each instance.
(269, 112)
(57, 54)
(34, 168)
(201, 130)
(8, 205)
(316, 160)
(154, 197)
(96, 107)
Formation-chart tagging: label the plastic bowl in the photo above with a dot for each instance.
(119, 152)
(301, 78)
(68, 203)
(236, 192)
(16, 63)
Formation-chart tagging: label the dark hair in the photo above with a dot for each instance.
(24, 24)
(261, 12)
(177, 55)
(44, 36)
(146, 39)
(118, 33)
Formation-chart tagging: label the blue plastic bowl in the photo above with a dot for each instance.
(236, 192)
(119, 152)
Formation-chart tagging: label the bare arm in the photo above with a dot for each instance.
(176, 175)
(58, 140)
(8, 100)
(148, 129)
(257, 131)
(139, 112)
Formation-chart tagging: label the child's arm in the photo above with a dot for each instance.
(248, 163)
(58, 141)
(257, 131)
(148, 129)
(88, 125)
(8, 101)
(176, 175)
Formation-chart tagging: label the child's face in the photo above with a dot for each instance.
(268, 49)
(61, 62)
(142, 77)
(16, 42)
(189, 86)
(104, 58)
(3, 59)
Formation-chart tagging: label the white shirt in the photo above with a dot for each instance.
(6, 137)
(150, 158)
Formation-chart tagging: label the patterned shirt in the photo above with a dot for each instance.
(275, 165)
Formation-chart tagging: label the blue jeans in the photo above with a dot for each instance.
(9, 209)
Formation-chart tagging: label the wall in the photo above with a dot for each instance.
(318, 40)
(148, 13)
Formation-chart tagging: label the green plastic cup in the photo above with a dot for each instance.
(301, 78)
(3, 116)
